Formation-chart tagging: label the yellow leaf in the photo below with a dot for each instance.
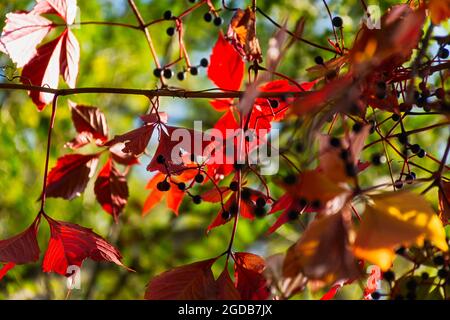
(395, 219)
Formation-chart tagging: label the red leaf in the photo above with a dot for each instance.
(219, 219)
(220, 169)
(155, 196)
(190, 282)
(332, 292)
(22, 248)
(71, 244)
(137, 140)
(22, 34)
(250, 281)
(226, 68)
(70, 58)
(225, 287)
(4, 270)
(221, 104)
(263, 112)
(118, 156)
(174, 145)
(87, 119)
(43, 70)
(174, 199)
(69, 177)
(111, 189)
(174, 195)
(213, 195)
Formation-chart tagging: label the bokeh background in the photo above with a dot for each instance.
(119, 57)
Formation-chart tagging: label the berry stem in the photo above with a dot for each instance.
(148, 37)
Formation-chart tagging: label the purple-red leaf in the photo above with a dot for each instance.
(22, 248)
(225, 287)
(137, 140)
(43, 70)
(190, 282)
(69, 177)
(111, 189)
(249, 277)
(87, 119)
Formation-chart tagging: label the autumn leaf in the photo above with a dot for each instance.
(42, 67)
(89, 119)
(225, 287)
(249, 277)
(230, 207)
(43, 70)
(66, 9)
(4, 270)
(444, 202)
(330, 294)
(242, 34)
(247, 208)
(265, 111)
(70, 58)
(190, 282)
(439, 10)
(81, 140)
(226, 68)
(69, 177)
(315, 187)
(392, 43)
(394, 219)
(285, 286)
(126, 159)
(22, 34)
(216, 194)
(22, 248)
(111, 189)
(288, 204)
(315, 100)
(323, 252)
(90, 123)
(137, 140)
(70, 244)
(330, 158)
(175, 145)
(174, 196)
(59, 56)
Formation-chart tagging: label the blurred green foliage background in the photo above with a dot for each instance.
(119, 57)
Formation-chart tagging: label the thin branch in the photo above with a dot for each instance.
(47, 157)
(165, 92)
(142, 26)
